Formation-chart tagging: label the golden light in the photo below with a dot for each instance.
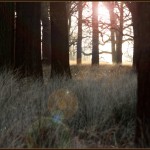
(103, 17)
(103, 12)
(64, 101)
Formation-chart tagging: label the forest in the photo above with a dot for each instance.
(75, 74)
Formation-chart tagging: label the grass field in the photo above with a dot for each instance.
(94, 109)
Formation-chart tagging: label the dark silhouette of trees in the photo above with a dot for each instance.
(95, 35)
(46, 41)
(79, 40)
(6, 34)
(59, 40)
(117, 11)
(111, 6)
(28, 39)
(25, 55)
(142, 137)
(119, 36)
(113, 26)
(72, 7)
(133, 9)
(118, 24)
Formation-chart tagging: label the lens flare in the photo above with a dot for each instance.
(63, 100)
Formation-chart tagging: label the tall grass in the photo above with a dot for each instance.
(106, 98)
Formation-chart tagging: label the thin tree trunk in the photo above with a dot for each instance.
(111, 6)
(133, 9)
(59, 40)
(79, 42)
(119, 33)
(113, 29)
(95, 35)
(135, 25)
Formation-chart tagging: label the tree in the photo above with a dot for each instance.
(59, 40)
(133, 9)
(119, 36)
(28, 39)
(142, 137)
(119, 22)
(79, 40)
(95, 35)
(112, 30)
(71, 9)
(6, 34)
(111, 6)
(46, 44)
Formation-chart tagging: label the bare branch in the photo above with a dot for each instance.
(103, 52)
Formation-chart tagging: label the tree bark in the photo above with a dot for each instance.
(79, 42)
(28, 39)
(46, 41)
(59, 40)
(95, 35)
(119, 36)
(132, 6)
(142, 137)
(69, 14)
(6, 34)
(110, 6)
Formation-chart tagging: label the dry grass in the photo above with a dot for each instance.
(102, 116)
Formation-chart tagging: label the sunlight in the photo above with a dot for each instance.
(103, 13)
(104, 21)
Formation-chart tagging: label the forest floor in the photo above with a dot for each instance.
(81, 72)
(95, 109)
(91, 138)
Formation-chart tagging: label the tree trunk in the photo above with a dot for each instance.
(59, 40)
(95, 35)
(69, 14)
(28, 39)
(6, 34)
(46, 41)
(111, 6)
(119, 36)
(142, 138)
(79, 42)
(134, 20)
(132, 6)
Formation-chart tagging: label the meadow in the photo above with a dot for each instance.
(95, 109)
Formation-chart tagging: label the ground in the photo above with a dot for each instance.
(97, 105)
(91, 139)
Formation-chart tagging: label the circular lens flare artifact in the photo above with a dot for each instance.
(63, 100)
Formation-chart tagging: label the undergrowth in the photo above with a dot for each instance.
(97, 106)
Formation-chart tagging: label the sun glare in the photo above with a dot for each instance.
(103, 13)
(103, 18)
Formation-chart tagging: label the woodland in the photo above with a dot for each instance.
(48, 102)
